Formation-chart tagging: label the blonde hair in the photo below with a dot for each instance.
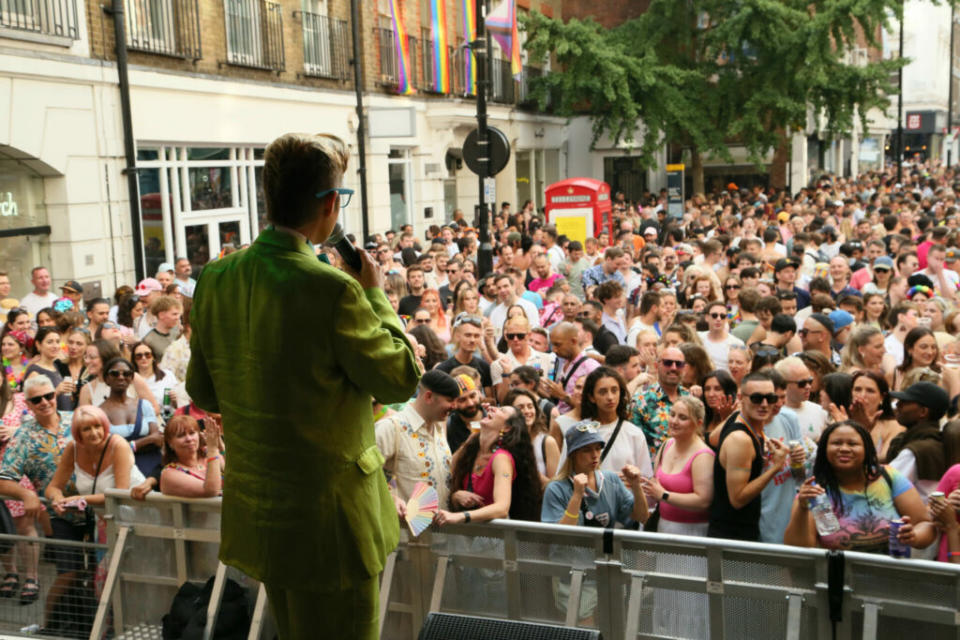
(85, 412)
(297, 166)
(697, 411)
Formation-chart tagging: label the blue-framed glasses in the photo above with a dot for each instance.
(345, 195)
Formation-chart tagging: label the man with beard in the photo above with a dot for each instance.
(413, 441)
(740, 470)
(467, 410)
(918, 453)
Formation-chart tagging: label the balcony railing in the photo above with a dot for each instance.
(325, 46)
(502, 89)
(166, 27)
(426, 62)
(255, 34)
(389, 65)
(42, 17)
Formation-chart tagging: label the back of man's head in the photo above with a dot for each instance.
(783, 323)
(296, 167)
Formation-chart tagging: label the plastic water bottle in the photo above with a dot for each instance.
(823, 515)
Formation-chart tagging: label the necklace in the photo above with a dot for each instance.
(12, 378)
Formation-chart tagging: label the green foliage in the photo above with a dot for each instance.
(701, 72)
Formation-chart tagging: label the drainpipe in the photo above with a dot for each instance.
(361, 127)
(116, 10)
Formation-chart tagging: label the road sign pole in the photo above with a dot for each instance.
(481, 50)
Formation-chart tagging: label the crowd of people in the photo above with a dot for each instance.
(710, 374)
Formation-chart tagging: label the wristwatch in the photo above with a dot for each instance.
(466, 517)
(664, 497)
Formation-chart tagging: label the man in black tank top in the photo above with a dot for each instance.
(740, 469)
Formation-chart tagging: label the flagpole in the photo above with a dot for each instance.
(481, 48)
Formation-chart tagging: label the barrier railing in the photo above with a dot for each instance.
(625, 584)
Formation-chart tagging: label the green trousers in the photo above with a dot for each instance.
(307, 615)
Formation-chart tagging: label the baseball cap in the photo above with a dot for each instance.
(650, 230)
(440, 383)
(783, 263)
(928, 395)
(841, 320)
(72, 285)
(783, 216)
(165, 266)
(883, 262)
(953, 255)
(582, 434)
(148, 285)
(465, 382)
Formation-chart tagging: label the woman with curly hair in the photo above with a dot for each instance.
(606, 400)
(494, 473)
(865, 497)
(545, 450)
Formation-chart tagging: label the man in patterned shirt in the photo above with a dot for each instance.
(651, 404)
(608, 270)
(414, 440)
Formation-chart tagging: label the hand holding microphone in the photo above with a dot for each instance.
(357, 263)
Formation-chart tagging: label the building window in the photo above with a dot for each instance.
(198, 201)
(167, 27)
(46, 17)
(400, 168)
(254, 33)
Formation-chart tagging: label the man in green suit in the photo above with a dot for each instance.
(290, 350)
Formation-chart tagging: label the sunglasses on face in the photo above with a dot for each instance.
(515, 336)
(805, 382)
(673, 364)
(758, 398)
(145, 355)
(35, 400)
(116, 373)
(733, 286)
(717, 316)
(804, 332)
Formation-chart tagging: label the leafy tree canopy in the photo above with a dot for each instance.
(703, 72)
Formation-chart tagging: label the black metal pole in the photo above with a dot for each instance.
(129, 148)
(900, 105)
(361, 128)
(481, 55)
(950, 91)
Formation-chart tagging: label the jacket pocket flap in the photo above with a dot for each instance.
(370, 460)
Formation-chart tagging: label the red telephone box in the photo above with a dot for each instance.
(580, 208)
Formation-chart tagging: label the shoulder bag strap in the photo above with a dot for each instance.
(138, 422)
(96, 473)
(607, 447)
(573, 368)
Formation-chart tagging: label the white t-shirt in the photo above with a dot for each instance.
(718, 351)
(508, 362)
(812, 418)
(636, 328)
(33, 303)
(951, 277)
(499, 315)
(630, 447)
(906, 463)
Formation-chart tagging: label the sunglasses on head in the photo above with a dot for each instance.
(46, 396)
(758, 398)
(587, 427)
(515, 336)
(466, 318)
(673, 364)
(116, 373)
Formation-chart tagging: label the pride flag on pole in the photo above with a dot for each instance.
(401, 49)
(441, 54)
(502, 24)
(469, 34)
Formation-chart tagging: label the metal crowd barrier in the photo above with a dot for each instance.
(626, 584)
(630, 585)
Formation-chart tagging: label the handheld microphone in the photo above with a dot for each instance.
(347, 251)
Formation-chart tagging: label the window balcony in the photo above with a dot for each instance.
(55, 18)
(389, 65)
(165, 27)
(502, 85)
(326, 46)
(255, 34)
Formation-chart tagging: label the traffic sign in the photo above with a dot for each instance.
(499, 149)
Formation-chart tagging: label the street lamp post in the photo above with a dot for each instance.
(900, 104)
(481, 48)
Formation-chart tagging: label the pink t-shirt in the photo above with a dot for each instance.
(947, 484)
(483, 481)
(680, 482)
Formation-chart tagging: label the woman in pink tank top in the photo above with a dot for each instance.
(683, 480)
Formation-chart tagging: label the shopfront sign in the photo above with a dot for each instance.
(8, 206)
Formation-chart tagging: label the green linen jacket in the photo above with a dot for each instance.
(290, 351)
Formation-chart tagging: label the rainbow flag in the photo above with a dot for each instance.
(502, 24)
(441, 54)
(469, 34)
(402, 49)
